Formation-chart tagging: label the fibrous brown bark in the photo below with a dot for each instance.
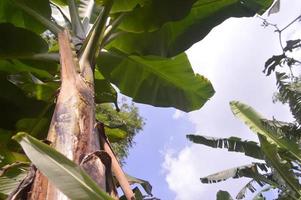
(72, 130)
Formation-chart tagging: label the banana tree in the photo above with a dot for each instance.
(279, 142)
(278, 148)
(58, 58)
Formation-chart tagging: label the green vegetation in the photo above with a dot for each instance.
(279, 142)
(55, 66)
(120, 126)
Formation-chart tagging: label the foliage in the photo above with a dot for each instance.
(120, 126)
(290, 93)
(174, 37)
(119, 43)
(279, 141)
(250, 171)
(160, 79)
(145, 184)
(254, 121)
(60, 170)
(280, 153)
(250, 148)
(11, 176)
(223, 195)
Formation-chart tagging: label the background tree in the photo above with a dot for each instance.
(121, 126)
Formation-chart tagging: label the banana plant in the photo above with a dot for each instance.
(280, 153)
(60, 57)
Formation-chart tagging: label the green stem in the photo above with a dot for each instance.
(91, 45)
(77, 26)
(109, 31)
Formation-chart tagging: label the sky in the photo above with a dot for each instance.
(232, 57)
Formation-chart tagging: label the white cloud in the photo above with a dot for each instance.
(232, 57)
(177, 114)
(184, 170)
(181, 173)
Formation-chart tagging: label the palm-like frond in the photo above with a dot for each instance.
(286, 195)
(250, 148)
(254, 121)
(249, 186)
(290, 92)
(259, 195)
(281, 169)
(250, 171)
(290, 131)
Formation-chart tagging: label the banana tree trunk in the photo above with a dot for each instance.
(72, 131)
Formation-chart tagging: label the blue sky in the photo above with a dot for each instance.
(160, 132)
(232, 56)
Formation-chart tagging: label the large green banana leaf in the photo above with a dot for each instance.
(153, 14)
(157, 81)
(11, 14)
(185, 91)
(19, 42)
(177, 36)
